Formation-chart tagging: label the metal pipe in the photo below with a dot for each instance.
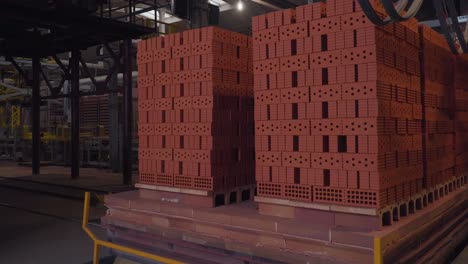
(269, 5)
(127, 112)
(35, 116)
(75, 114)
(86, 81)
(97, 66)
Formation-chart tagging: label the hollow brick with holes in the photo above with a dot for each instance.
(294, 31)
(324, 26)
(325, 144)
(296, 159)
(325, 59)
(325, 93)
(359, 90)
(327, 160)
(322, 110)
(292, 47)
(326, 127)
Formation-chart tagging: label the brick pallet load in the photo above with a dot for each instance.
(196, 116)
(439, 107)
(461, 117)
(348, 117)
(339, 114)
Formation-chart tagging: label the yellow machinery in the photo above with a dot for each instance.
(62, 134)
(15, 120)
(3, 119)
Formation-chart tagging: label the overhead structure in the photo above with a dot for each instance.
(402, 10)
(451, 28)
(59, 28)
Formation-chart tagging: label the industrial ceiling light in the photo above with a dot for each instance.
(240, 5)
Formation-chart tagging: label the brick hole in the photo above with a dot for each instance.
(219, 200)
(325, 110)
(445, 190)
(430, 197)
(245, 195)
(411, 207)
(418, 204)
(326, 177)
(295, 143)
(342, 144)
(297, 175)
(233, 197)
(386, 219)
(326, 143)
(395, 215)
(403, 210)
(424, 200)
(450, 187)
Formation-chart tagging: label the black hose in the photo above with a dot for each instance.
(395, 14)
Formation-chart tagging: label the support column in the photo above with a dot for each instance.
(199, 13)
(127, 112)
(162, 18)
(75, 114)
(114, 129)
(36, 115)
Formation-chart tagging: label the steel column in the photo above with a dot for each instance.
(36, 115)
(75, 114)
(114, 129)
(127, 112)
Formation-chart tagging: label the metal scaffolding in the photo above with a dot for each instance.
(53, 31)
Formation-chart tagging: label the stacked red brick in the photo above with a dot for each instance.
(461, 115)
(439, 108)
(337, 106)
(196, 110)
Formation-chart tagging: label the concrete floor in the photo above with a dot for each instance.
(98, 179)
(30, 238)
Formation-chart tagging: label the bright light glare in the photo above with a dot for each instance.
(240, 5)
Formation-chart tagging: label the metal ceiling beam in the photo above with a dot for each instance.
(14, 88)
(275, 4)
(436, 22)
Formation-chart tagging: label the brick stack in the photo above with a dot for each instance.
(196, 110)
(337, 106)
(439, 108)
(461, 115)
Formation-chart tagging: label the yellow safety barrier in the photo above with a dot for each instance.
(378, 256)
(101, 243)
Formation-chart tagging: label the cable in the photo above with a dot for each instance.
(395, 14)
(374, 17)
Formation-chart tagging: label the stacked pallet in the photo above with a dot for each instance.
(461, 115)
(438, 106)
(196, 110)
(337, 106)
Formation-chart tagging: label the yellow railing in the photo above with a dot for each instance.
(378, 256)
(98, 243)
